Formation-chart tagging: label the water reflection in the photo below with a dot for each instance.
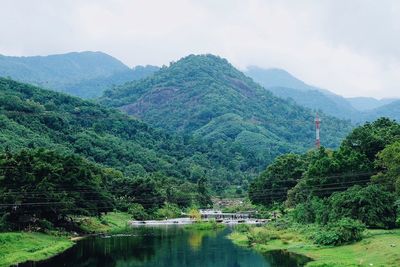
(169, 247)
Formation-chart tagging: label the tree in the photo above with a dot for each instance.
(45, 184)
(141, 190)
(279, 177)
(329, 172)
(371, 205)
(389, 161)
(372, 138)
(203, 196)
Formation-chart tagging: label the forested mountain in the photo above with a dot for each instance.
(31, 118)
(277, 78)
(285, 85)
(356, 109)
(206, 98)
(369, 103)
(95, 87)
(84, 74)
(391, 110)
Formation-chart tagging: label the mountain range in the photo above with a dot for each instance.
(89, 74)
(356, 109)
(197, 117)
(83, 74)
(206, 98)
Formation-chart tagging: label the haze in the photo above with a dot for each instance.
(349, 47)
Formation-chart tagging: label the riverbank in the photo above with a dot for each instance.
(378, 248)
(17, 247)
(20, 247)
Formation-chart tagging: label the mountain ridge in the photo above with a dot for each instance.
(285, 85)
(205, 97)
(86, 74)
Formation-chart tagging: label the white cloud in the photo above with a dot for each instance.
(349, 47)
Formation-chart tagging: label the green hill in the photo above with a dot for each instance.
(84, 74)
(209, 100)
(31, 117)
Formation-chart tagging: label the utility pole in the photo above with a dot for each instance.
(317, 127)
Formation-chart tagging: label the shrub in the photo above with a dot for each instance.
(242, 228)
(4, 223)
(314, 210)
(168, 211)
(45, 224)
(342, 232)
(261, 235)
(209, 225)
(371, 205)
(137, 211)
(195, 214)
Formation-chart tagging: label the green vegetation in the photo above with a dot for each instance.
(17, 247)
(41, 187)
(20, 247)
(328, 198)
(378, 248)
(112, 222)
(87, 160)
(31, 117)
(72, 165)
(210, 225)
(236, 122)
(324, 186)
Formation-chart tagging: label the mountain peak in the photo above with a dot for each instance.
(203, 62)
(205, 96)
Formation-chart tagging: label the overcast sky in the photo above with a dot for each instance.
(351, 47)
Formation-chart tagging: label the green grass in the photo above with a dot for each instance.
(212, 225)
(110, 223)
(378, 248)
(19, 247)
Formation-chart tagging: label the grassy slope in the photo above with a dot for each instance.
(17, 247)
(20, 247)
(379, 248)
(112, 222)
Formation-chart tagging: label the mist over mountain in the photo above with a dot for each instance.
(84, 74)
(356, 109)
(369, 103)
(391, 110)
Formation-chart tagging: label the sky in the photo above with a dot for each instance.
(351, 47)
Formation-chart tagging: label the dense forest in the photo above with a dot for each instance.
(86, 159)
(207, 99)
(357, 183)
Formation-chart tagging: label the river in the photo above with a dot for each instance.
(167, 247)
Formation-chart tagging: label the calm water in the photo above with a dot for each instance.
(167, 247)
